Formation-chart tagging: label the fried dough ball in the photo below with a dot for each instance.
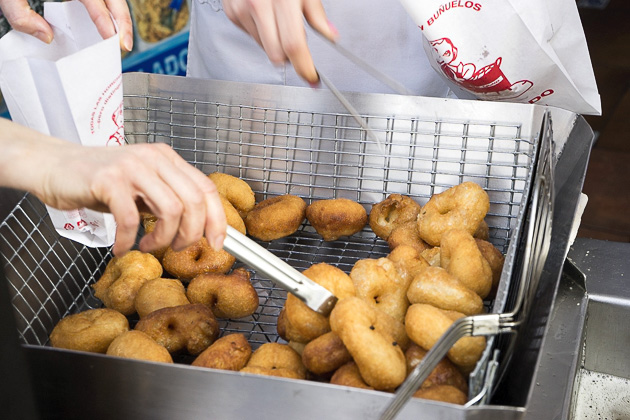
(394, 211)
(299, 322)
(275, 359)
(444, 393)
(230, 352)
(408, 262)
(237, 192)
(227, 295)
(123, 277)
(281, 325)
(232, 216)
(92, 330)
(437, 287)
(380, 359)
(159, 293)
(378, 283)
(407, 234)
(325, 354)
(425, 324)
(444, 373)
(198, 258)
(276, 217)
(190, 327)
(463, 206)
(432, 256)
(349, 375)
(299, 347)
(149, 222)
(482, 232)
(337, 217)
(461, 257)
(495, 259)
(138, 345)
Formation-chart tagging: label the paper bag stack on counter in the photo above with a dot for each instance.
(71, 89)
(528, 51)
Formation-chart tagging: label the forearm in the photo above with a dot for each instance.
(26, 156)
(119, 180)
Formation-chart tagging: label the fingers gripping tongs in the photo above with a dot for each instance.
(250, 253)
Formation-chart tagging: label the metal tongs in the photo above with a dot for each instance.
(249, 252)
(377, 74)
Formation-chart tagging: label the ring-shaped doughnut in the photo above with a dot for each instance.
(276, 217)
(394, 211)
(230, 352)
(407, 234)
(378, 283)
(408, 262)
(227, 295)
(325, 354)
(461, 257)
(349, 375)
(92, 330)
(237, 192)
(380, 359)
(437, 287)
(425, 325)
(276, 359)
(137, 345)
(463, 206)
(198, 258)
(123, 277)
(159, 293)
(300, 323)
(496, 260)
(190, 327)
(444, 373)
(336, 217)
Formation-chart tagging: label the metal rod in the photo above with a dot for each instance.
(355, 114)
(368, 68)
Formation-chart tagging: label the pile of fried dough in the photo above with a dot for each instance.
(391, 310)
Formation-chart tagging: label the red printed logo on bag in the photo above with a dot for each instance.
(68, 226)
(118, 138)
(81, 223)
(488, 80)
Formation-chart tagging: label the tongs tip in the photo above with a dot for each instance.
(327, 306)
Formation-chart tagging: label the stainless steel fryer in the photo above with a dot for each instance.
(299, 141)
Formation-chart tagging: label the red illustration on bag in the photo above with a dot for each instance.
(68, 226)
(118, 138)
(488, 80)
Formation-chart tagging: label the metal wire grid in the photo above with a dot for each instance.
(277, 151)
(324, 155)
(48, 275)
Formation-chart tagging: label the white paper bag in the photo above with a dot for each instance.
(529, 51)
(71, 89)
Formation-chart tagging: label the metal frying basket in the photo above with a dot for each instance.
(300, 141)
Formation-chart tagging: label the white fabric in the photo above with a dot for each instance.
(378, 31)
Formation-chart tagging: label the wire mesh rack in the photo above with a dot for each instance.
(287, 142)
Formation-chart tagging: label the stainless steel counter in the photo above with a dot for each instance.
(584, 369)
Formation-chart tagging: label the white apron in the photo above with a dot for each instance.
(378, 31)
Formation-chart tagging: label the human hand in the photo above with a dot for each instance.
(24, 19)
(278, 26)
(122, 180)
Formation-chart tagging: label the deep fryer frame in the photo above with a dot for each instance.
(144, 82)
